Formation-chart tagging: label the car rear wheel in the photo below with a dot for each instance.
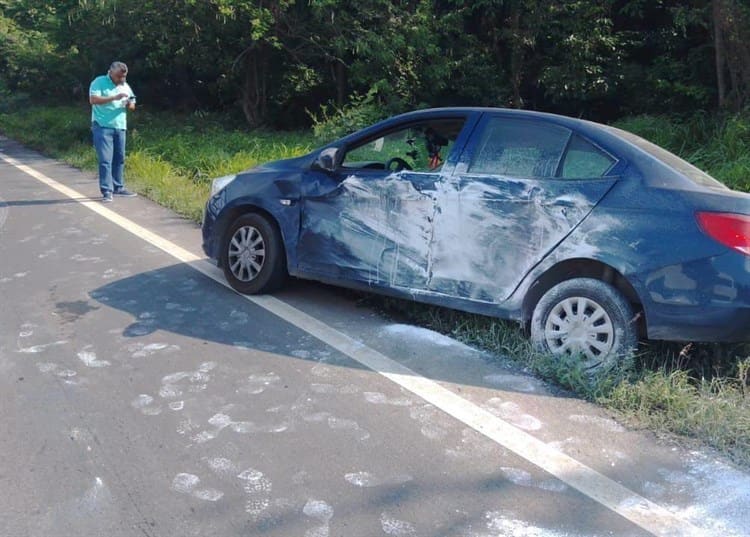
(253, 257)
(586, 318)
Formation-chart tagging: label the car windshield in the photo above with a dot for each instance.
(670, 159)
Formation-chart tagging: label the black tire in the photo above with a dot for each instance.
(588, 318)
(252, 255)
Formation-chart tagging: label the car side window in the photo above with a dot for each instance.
(584, 160)
(519, 148)
(380, 150)
(419, 147)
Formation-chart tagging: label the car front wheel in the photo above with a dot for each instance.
(586, 318)
(253, 257)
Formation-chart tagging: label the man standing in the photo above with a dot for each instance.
(111, 98)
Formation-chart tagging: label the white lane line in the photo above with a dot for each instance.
(628, 504)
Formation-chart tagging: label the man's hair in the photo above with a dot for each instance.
(118, 67)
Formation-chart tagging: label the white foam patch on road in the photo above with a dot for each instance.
(222, 465)
(257, 487)
(46, 367)
(3, 212)
(515, 383)
(257, 384)
(595, 485)
(720, 496)
(221, 421)
(110, 274)
(174, 306)
(83, 259)
(377, 398)
(140, 350)
(523, 478)
(512, 412)
(342, 424)
(185, 483)
(398, 528)
(174, 385)
(143, 403)
(316, 417)
(419, 334)
(429, 416)
(472, 446)
(502, 525)
(321, 512)
(209, 495)
(66, 373)
(607, 424)
(321, 370)
(35, 349)
(27, 329)
(89, 359)
(95, 496)
(368, 480)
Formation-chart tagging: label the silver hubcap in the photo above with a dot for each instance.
(578, 325)
(247, 253)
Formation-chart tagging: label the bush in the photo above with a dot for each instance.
(719, 145)
(333, 122)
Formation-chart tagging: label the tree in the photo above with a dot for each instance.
(730, 20)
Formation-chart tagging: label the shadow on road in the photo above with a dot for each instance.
(178, 299)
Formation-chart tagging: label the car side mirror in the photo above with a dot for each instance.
(328, 159)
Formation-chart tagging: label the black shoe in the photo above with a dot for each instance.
(125, 193)
(107, 197)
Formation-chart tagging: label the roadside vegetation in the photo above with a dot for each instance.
(701, 392)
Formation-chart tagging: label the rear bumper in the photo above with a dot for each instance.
(696, 323)
(706, 299)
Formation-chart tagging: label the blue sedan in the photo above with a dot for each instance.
(589, 235)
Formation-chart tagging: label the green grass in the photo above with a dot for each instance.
(698, 391)
(170, 159)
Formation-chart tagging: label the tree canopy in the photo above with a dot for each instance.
(279, 61)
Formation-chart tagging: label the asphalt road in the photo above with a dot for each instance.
(140, 397)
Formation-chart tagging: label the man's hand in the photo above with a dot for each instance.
(95, 99)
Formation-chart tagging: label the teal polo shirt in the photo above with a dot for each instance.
(113, 114)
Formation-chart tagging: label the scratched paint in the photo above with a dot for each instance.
(389, 232)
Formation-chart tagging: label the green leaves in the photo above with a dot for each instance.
(275, 59)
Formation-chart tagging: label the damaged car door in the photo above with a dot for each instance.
(520, 188)
(369, 219)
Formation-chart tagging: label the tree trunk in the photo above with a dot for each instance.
(340, 82)
(719, 51)
(253, 98)
(516, 58)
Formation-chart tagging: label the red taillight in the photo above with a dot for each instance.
(729, 229)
